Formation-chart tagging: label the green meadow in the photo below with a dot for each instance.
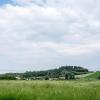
(50, 90)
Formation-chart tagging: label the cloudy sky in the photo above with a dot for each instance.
(44, 34)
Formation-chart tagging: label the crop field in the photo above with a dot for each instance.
(49, 90)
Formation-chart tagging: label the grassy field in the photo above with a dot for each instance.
(84, 75)
(93, 76)
(50, 90)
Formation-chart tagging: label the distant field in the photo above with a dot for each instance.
(94, 75)
(49, 90)
(84, 75)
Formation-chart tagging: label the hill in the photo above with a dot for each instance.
(56, 73)
(64, 71)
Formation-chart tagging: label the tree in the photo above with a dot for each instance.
(69, 76)
(46, 78)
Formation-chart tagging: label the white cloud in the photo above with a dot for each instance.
(35, 35)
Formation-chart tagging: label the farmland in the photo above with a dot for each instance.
(50, 90)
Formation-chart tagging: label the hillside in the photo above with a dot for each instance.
(95, 75)
(83, 75)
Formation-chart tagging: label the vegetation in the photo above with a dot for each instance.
(68, 72)
(69, 76)
(56, 73)
(7, 77)
(95, 75)
(83, 76)
(49, 90)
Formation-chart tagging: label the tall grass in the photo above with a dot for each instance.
(49, 90)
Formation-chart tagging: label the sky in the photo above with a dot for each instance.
(46, 34)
